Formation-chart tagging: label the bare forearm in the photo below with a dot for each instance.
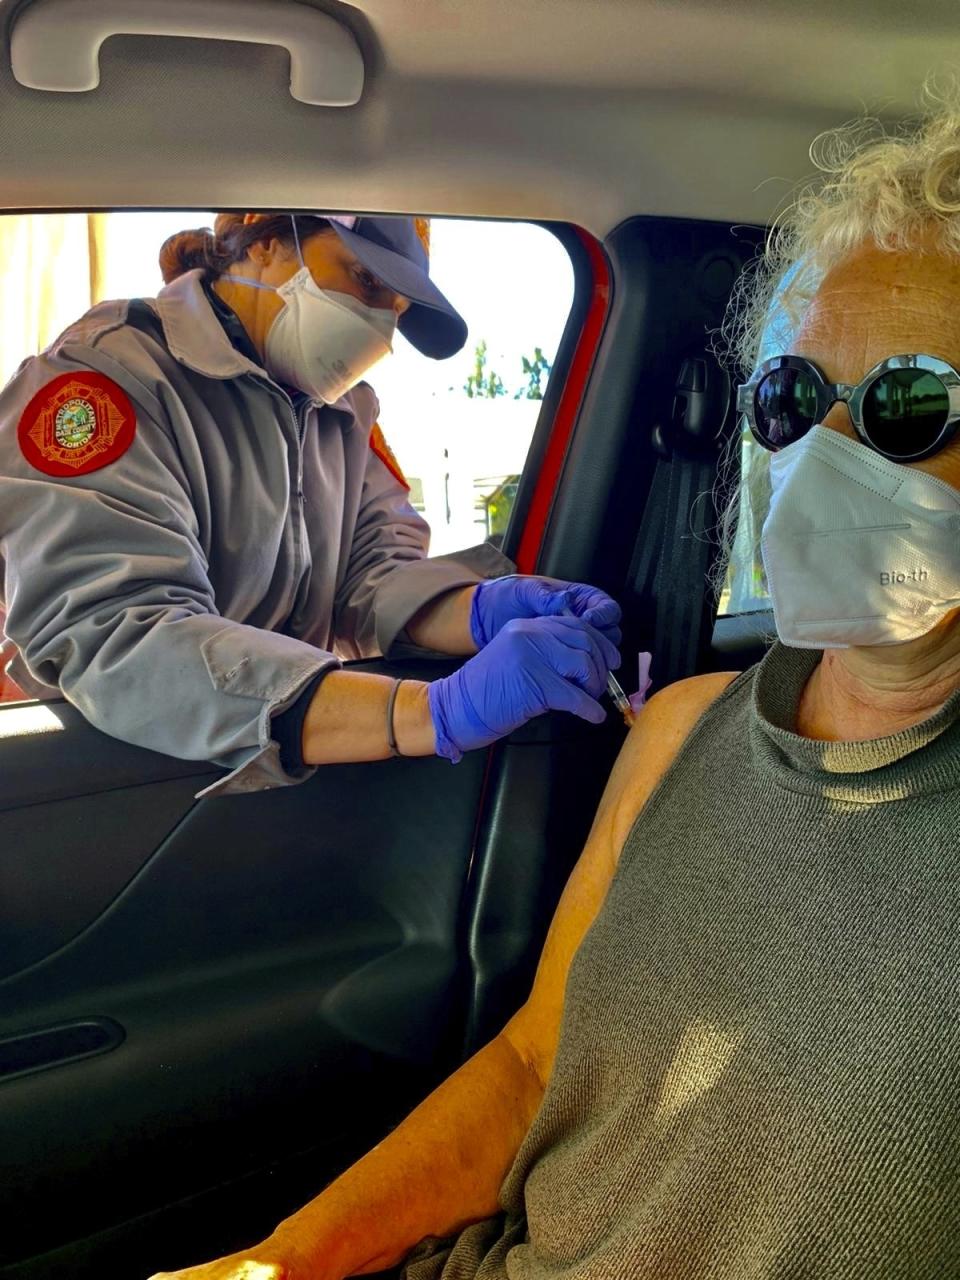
(444, 623)
(439, 1170)
(347, 719)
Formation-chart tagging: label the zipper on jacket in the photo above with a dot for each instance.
(300, 410)
(300, 413)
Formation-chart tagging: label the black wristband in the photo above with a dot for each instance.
(391, 732)
(286, 727)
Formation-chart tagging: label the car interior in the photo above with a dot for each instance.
(209, 1007)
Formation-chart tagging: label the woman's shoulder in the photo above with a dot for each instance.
(659, 732)
(671, 715)
(126, 330)
(89, 329)
(102, 368)
(364, 403)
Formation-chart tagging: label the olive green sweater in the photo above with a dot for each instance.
(758, 1075)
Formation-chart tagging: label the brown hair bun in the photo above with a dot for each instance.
(217, 250)
(184, 251)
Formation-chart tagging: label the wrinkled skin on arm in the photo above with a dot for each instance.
(443, 1167)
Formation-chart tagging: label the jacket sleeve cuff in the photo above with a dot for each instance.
(287, 726)
(238, 672)
(409, 587)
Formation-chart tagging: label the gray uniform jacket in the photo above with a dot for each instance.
(186, 592)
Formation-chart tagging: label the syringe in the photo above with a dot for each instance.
(620, 699)
(614, 690)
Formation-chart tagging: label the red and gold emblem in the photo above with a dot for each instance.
(383, 451)
(76, 424)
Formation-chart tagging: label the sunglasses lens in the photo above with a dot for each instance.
(904, 412)
(785, 407)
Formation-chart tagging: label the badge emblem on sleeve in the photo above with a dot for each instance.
(378, 443)
(77, 423)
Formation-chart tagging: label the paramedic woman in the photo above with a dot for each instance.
(199, 518)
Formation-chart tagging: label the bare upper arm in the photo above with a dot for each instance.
(656, 737)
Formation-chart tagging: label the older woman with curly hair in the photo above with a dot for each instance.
(739, 1059)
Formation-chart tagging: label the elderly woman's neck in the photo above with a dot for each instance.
(869, 693)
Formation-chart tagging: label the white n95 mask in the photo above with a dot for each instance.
(324, 342)
(858, 550)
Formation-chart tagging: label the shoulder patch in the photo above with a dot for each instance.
(77, 423)
(383, 451)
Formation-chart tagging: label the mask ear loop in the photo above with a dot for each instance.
(271, 288)
(296, 238)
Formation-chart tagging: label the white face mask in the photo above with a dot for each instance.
(324, 342)
(321, 341)
(858, 550)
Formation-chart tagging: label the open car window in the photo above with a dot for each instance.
(459, 428)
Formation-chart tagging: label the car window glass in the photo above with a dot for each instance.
(745, 587)
(461, 428)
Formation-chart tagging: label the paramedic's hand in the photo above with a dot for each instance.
(498, 600)
(531, 665)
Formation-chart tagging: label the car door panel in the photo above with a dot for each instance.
(38, 768)
(544, 785)
(282, 965)
(50, 890)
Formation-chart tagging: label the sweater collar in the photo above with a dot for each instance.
(924, 757)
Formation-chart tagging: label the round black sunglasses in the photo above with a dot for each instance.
(906, 408)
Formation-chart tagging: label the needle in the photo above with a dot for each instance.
(619, 698)
(614, 690)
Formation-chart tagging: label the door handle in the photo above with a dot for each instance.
(55, 44)
(31, 1051)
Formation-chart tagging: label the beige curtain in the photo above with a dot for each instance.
(51, 270)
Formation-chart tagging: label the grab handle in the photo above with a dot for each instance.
(55, 44)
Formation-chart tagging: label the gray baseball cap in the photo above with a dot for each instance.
(392, 249)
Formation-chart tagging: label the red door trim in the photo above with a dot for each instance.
(531, 540)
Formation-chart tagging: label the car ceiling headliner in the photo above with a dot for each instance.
(584, 110)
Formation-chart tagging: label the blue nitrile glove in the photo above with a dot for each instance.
(498, 600)
(531, 666)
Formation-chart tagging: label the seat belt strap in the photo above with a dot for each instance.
(682, 590)
(676, 546)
